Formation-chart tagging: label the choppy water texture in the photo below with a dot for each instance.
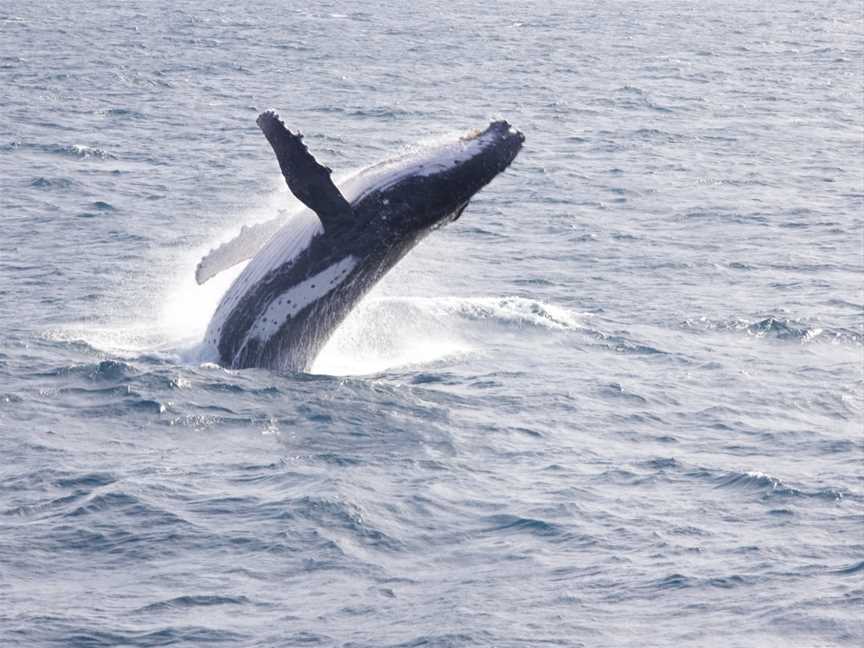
(618, 403)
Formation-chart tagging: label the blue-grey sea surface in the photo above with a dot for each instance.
(618, 403)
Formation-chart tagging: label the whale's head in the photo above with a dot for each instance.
(431, 185)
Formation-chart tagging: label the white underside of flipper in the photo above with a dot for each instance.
(244, 246)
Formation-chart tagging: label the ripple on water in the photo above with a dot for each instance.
(777, 328)
(180, 603)
(768, 486)
(533, 436)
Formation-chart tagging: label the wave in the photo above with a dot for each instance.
(762, 483)
(778, 328)
(194, 601)
(504, 523)
(852, 569)
(680, 581)
(79, 151)
(55, 630)
(104, 370)
(745, 481)
(42, 182)
(123, 113)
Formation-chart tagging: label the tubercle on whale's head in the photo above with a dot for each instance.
(486, 153)
(500, 128)
(434, 186)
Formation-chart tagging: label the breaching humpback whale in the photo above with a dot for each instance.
(283, 307)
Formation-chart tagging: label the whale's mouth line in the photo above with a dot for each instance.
(459, 210)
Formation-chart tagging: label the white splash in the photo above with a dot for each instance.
(386, 333)
(382, 334)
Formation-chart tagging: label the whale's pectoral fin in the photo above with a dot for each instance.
(242, 247)
(306, 178)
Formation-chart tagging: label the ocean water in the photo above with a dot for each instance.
(618, 403)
